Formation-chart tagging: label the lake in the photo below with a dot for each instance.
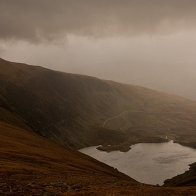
(148, 163)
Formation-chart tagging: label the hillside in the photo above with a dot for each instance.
(45, 115)
(186, 179)
(32, 165)
(78, 111)
(30, 162)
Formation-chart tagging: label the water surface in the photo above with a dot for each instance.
(148, 163)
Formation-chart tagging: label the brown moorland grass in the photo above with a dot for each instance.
(33, 165)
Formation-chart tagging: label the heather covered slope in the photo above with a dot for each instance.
(79, 111)
(33, 165)
(29, 161)
(38, 105)
(66, 105)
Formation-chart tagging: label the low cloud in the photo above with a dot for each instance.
(48, 20)
(146, 42)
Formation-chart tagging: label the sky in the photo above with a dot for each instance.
(151, 43)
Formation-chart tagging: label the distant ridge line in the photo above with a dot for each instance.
(145, 112)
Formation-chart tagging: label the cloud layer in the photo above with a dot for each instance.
(48, 19)
(146, 42)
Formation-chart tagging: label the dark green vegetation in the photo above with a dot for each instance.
(78, 111)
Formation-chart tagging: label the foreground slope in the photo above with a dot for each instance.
(78, 111)
(28, 161)
(32, 165)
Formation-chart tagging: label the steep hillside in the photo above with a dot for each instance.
(33, 165)
(30, 162)
(78, 111)
(186, 179)
(41, 108)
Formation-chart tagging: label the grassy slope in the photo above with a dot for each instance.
(67, 106)
(71, 109)
(28, 160)
(32, 165)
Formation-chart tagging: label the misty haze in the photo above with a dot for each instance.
(97, 97)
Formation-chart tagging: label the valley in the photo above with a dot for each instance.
(149, 163)
(46, 116)
(97, 98)
(33, 165)
(79, 111)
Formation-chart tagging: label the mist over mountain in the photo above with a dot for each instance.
(46, 114)
(78, 111)
(105, 76)
(147, 43)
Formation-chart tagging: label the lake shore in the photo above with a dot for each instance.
(144, 160)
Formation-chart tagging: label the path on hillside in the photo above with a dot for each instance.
(112, 118)
(129, 111)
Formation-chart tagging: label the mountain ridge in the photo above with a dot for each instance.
(72, 108)
(46, 115)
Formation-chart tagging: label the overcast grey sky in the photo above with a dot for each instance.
(146, 42)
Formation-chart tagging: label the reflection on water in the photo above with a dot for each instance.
(148, 163)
